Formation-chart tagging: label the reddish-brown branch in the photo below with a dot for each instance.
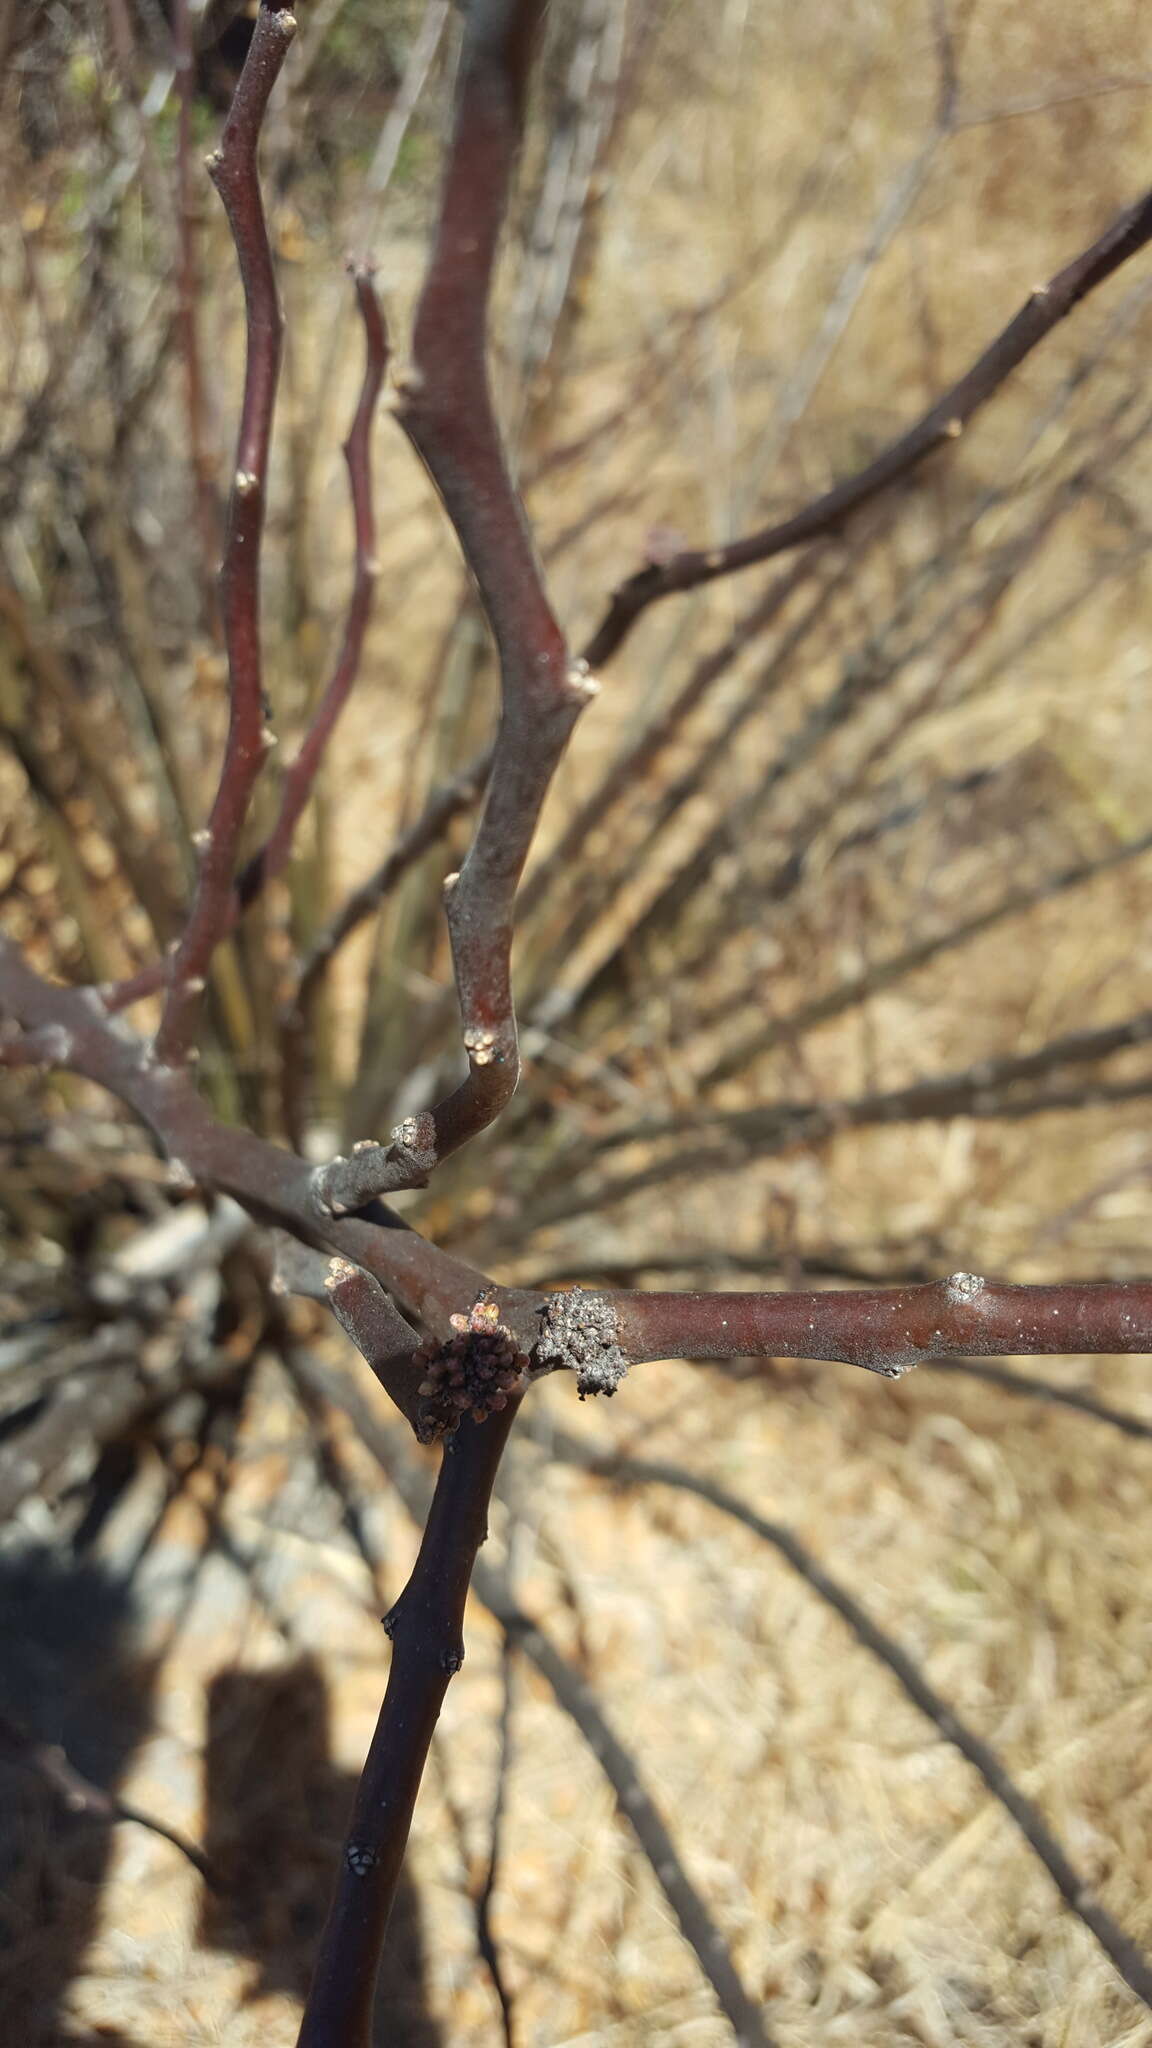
(271, 859)
(427, 1630)
(445, 407)
(1046, 306)
(378, 1330)
(187, 324)
(887, 1330)
(234, 171)
(273, 1185)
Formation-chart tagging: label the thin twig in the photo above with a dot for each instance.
(942, 424)
(80, 1796)
(187, 323)
(273, 855)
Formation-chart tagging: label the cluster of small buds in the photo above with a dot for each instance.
(474, 1373)
(480, 1045)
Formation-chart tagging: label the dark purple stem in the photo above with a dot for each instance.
(427, 1630)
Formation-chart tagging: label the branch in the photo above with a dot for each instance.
(943, 423)
(378, 1330)
(234, 171)
(885, 1330)
(273, 855)
(426, 1628)
(271, 859)
(578, 1701)
(1121, 1950)
(79, 1795)
(445, 408)
(275, 1186)
(187, 325)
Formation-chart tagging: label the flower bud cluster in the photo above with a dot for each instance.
(474, 1373)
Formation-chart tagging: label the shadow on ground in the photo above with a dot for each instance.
(275, 1814)
(275, 1808)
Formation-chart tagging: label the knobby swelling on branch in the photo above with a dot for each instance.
(456, 1352)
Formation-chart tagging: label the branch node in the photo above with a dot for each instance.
(360, 1858)
(964, 1286)
(480, 1045)
(579, 1333)
(580, 681)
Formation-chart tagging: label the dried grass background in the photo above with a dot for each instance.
(871, 1890)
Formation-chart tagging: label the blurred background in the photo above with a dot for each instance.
(843, 877)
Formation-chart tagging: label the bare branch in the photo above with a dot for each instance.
(888, 1330)
(187, 323)
(378, 1330)
(79, 1795)
(271, 859)
(426, 1628)
(300, 777)
(942, 424)
(275, 1186)
(445, 408)
(234, 171)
